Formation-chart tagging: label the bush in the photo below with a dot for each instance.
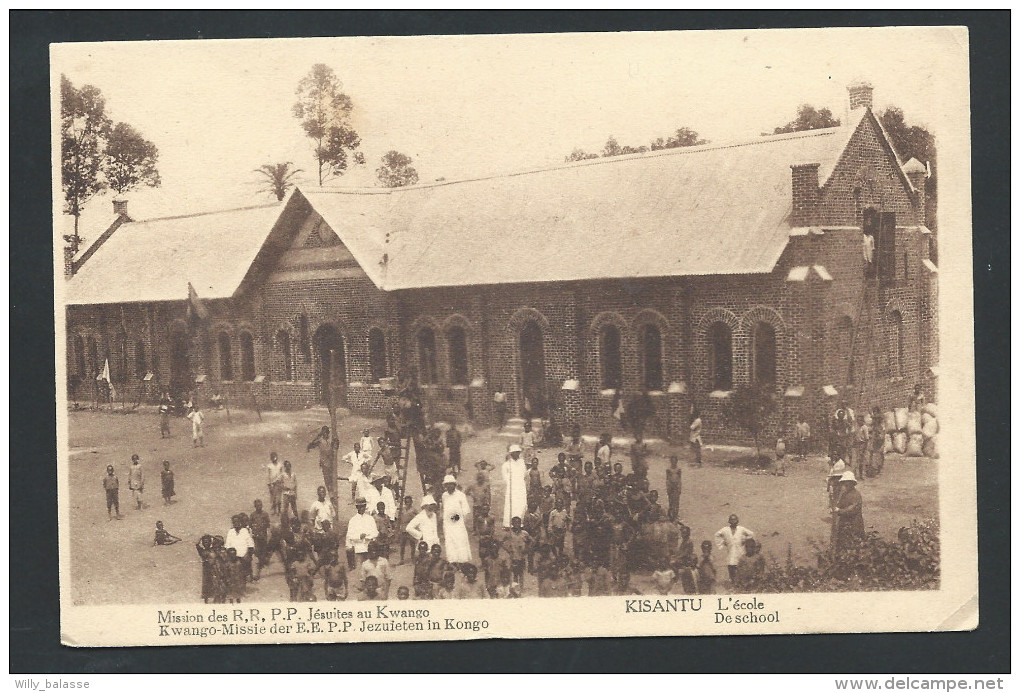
(870, 564)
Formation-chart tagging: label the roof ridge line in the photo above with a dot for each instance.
(672, 151)
(203, 214)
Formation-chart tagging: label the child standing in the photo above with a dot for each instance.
(674, 485)
(534, 488)
(406, 515)
(111, 484)
(527, 441)
(166, 479)
(235, 576)
(780, 457)
(136, 481)
(706, 570)
(559, 524)
(334, 576)
(422, 567)
(750, 567)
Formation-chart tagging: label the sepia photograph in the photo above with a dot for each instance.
(647, 330)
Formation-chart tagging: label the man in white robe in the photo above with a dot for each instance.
(515, 473)
(425, 525)
(361, 529)
(455, 513)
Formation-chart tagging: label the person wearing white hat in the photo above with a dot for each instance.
(848, 518)
(361, 529)
(832, 484)
(515, 474)
(455, 512)
(424, 526)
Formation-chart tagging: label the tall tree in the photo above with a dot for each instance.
(130, 160)
(84, 126)
(396, 170)
(683, 137)
(278, 178)
(913, 141)
(808, 118)
(325, 114)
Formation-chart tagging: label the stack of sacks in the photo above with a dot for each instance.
(930, 431)
(912, 433)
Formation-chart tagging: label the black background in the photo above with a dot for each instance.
(34, 599)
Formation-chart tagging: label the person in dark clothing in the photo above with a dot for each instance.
(848, 512)
(259, 524)
(111, 484)
(453, 443)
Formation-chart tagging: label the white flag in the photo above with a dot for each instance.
(105, 375)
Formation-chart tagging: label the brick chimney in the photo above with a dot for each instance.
(916, 172)
(120, 208)
(805, 194)
(68, 261)
(860, 95)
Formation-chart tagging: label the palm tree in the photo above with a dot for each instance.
(278, 178)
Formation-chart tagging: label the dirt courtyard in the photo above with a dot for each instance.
(115, 561)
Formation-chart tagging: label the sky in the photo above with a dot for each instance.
(465, 106)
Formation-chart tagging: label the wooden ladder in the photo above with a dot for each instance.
(866, 330)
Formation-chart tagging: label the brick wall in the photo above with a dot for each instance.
(814, 320)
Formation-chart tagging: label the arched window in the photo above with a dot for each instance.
(609, 353)
(427, 356)
(141, 365)
(763, 353)
(93, 358)
(377, 354)
(79, 355)
(226, 359)
(456, 340)
(283, 339)
(247, 356)
(896, 355)
(651, 357)
(720, 356)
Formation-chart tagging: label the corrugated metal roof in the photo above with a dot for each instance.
(715, 209)
(154, 260)
(719, 209)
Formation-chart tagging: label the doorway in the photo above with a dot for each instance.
(180, 368)
(332, 370)
(532, 368)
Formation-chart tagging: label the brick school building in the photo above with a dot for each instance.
(800, 261)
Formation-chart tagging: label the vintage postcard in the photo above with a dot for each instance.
(514, 336)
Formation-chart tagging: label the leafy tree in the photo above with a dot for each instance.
(84, 126)
(752, 407)
(325, 114)
(278, 178)
(913, 141)
(95, 154)
(614, 148)
(683, 137)
(396, 170)
(808, 118)
(130, 160)
(580, 155)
